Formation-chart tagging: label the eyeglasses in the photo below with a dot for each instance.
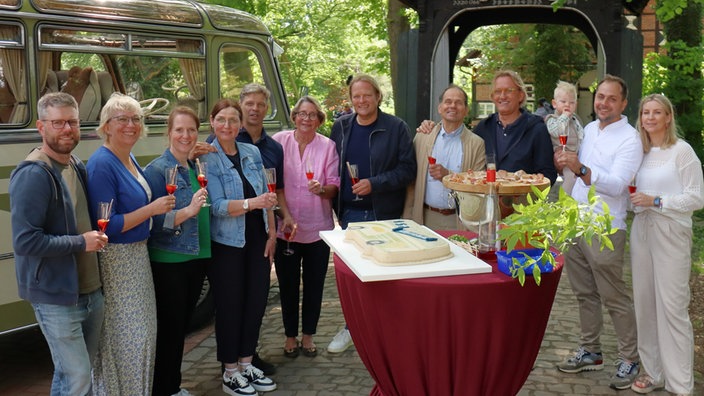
(124, 120)
(307, 116)
(505, 91)
(61, 124)
(225, 121)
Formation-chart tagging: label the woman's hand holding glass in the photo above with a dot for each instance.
(162, 205)
(267, 200)
(197, 200)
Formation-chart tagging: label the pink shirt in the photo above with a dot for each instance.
(312, 213)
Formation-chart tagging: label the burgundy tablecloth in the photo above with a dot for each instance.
(460, 335)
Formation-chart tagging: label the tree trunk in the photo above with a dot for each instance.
(397, 24)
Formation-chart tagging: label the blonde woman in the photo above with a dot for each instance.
(668, 189)
(125, 359)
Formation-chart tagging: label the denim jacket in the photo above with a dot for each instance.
(224, 185)
(182, 238)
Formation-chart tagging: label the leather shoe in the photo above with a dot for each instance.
(266, 367)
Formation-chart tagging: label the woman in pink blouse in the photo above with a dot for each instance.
(311, 182)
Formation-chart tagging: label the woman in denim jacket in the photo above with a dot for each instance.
(179, 248)
(243, 243)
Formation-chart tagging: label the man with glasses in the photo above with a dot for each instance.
(54, 245)
(517, 138)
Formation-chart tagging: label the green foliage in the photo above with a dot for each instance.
(544, 224)
(698, 241)
(541, 53)
(324, 41)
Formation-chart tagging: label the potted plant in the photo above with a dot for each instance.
(543, 224)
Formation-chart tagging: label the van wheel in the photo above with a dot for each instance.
(205, 308)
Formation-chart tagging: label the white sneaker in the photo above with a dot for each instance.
(340, 342)
(257, 380)
(183, 392)
(237, 385)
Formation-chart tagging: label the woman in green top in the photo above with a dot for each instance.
(179, 247)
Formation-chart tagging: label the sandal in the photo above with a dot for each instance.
(293, 352)
(310, 351)
(646, 384)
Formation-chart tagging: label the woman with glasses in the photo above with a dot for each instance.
(311, 181)
(179, 247)
(125, 359)
(243, 242)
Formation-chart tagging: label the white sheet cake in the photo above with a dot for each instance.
(397, 242)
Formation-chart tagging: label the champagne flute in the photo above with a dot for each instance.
(310, 172)
(202, 169)
(171, 180)
(287, 234)
(354, 177)
(104, 209)
(632, 186)
(563, 137)
(271, 182)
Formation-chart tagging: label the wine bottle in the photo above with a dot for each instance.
(489, 222)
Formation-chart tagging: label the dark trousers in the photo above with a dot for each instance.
(240, 281)
(177, 287)
(313, 259)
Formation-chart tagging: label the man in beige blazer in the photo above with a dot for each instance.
(454, 148)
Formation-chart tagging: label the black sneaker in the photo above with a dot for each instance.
(257, 380)
(237, 385)
(266, 367)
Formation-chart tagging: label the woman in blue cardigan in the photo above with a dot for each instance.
(125, 361)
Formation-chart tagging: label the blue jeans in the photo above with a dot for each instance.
(72, 332)
(352, 215)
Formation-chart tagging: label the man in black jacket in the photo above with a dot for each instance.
(381, 147)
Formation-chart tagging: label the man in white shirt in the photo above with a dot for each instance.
(609, 158)
(453, 148)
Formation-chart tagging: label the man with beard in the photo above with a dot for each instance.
(54, 245)
(608, 159)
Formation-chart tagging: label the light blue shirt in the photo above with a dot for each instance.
(448, 153)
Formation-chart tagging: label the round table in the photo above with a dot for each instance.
(458, 335)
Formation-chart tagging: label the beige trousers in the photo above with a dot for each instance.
(660, 257)
(438, 221)
(596, 277)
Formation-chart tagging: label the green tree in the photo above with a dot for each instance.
(324, 41)
(683, 80)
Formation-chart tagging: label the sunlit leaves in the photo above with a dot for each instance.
(544, 224)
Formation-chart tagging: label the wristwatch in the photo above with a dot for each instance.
(657, 202)
(245, 205)
(583, 171)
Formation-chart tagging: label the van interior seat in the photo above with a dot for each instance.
(83, 85)
(106, 87)
(52, 82)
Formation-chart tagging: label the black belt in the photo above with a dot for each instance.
(444, 212)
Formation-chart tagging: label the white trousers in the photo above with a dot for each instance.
(661, 263)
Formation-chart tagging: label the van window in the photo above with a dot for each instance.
(239, 66)
(13, 75)
(158, 71)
